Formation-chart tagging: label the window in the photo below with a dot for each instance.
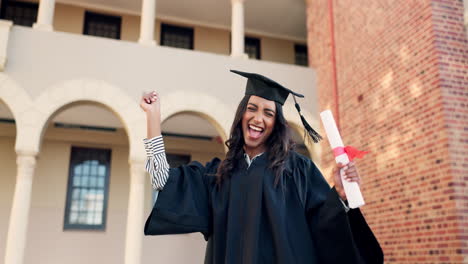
(88, 189)
(175, 36)
(252, 47)
(301, 56)
(102, 25)
(21, 13)
(174, 160)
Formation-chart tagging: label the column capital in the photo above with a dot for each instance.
(28, 161)
(18, 225)
(26, 165)
(26, 152)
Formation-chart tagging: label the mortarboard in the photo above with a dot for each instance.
(265, 87)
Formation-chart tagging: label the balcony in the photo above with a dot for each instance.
(41, 61)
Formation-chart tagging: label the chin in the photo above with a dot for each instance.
(252, 145)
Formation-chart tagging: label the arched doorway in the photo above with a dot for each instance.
(8, 169)
(188, 136)
(193, 134)
(80, 190)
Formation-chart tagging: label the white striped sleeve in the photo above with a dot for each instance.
(156, 162)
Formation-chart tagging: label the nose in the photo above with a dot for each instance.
(257, 118)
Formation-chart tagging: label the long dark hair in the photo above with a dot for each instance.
(278, 144)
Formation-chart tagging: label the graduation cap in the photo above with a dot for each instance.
(265, 87)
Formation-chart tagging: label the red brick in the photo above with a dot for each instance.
(402, 93)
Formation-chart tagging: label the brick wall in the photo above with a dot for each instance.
(401, 71)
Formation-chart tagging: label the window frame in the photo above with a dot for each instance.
(89, 15)
(301, 48)
(67, 226)
(182, 29)
(256, 42)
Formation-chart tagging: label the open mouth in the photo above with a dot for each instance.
(255, 132)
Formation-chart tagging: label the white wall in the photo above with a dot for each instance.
(39, 60)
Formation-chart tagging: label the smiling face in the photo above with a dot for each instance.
(258, 122)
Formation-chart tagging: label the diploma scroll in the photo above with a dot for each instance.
(353, 193)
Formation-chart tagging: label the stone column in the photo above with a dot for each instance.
(148, 13)
(237, 29)
(18, 225)
(135, 217)
(5, 28)
(45, 16)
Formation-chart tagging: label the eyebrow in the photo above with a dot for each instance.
(266, 109)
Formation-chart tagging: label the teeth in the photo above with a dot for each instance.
(255, 128)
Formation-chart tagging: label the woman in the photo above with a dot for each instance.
(264, 203)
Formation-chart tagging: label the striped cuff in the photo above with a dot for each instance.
(156, 163)
(154, 146)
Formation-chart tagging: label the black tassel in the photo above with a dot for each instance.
(310, 131)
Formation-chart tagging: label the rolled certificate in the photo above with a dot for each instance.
(353, 193)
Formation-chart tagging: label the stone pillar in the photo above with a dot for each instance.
(135, 217)
(18, 225)
(237, 29)
(45, 16)
(148, 13)
(5, 28)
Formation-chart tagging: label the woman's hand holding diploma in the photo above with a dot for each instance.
(350, 173)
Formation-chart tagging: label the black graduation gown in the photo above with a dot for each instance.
(249, 220)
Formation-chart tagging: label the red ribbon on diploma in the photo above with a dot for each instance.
(352, 152)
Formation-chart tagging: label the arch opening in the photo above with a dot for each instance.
(188, 136)
(84, 156)
(195, 133)
(85, 115)
(8, 129)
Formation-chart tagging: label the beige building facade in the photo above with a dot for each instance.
(62, 91)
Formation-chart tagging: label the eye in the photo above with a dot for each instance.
(250, 108)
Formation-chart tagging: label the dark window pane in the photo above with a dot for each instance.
(174, 160)
(301, 56)
(21, 13)
(252, 47)
(102, 25)
(87, 189)
(175, 36)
